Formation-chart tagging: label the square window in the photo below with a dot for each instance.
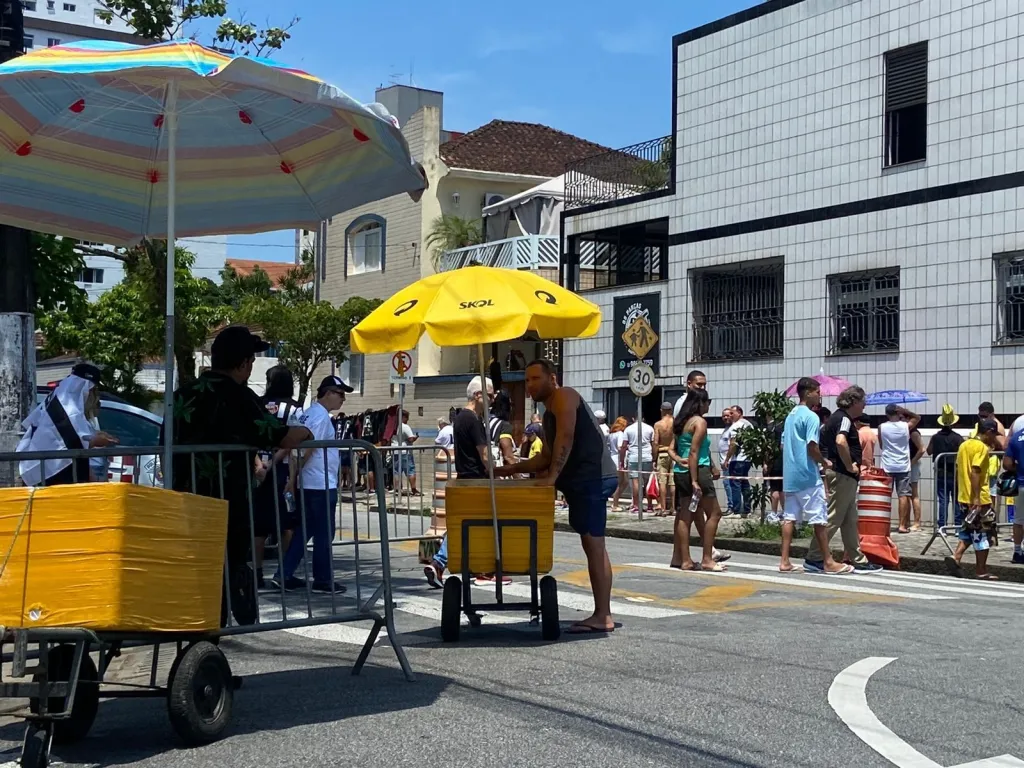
(52, 41)
(28, 5)
(70, 7)
(864, 313)
(29, 42)
(738, 311)
(351, 371)
(365, 247)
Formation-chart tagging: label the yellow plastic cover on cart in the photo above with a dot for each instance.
(111, 557)
(516, 500)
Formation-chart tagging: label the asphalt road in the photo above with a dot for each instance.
(705, 669)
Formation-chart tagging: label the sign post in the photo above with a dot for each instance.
(400, 374)
(640, 338)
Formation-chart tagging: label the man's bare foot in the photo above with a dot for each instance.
(592, 625)
(686, 565)
(788, 568)
(712, 566)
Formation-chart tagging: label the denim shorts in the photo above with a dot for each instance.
(588, 505)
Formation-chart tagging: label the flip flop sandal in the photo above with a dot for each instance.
(846, 570)
(716, 568)
(588, 629)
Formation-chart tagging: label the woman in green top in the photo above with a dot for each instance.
(695, 476)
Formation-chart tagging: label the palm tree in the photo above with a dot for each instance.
(449, 232)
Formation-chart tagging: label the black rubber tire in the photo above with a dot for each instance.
(87, 694)
(200, 694)
(550, 629)
(451, 609)
(35, 751)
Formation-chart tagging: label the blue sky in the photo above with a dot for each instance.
(597, 69)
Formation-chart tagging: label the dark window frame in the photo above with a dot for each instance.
(905, 112)
(864, 312)
(1008, 328)
(738, 311)
(645, 250)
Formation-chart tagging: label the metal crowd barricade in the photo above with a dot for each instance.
(65, 671)
(947, 506)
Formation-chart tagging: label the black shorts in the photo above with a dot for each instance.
(775, 486)
(265, 514)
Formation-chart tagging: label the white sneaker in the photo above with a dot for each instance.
(719, 556)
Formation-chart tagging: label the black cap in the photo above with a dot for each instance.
(333, 382)
(987, 425)
(239, 341)
(87, 371)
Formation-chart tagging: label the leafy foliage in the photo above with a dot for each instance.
(163, 20)
(448, 232)
(760, 442)
(753, 529)
(55, 267)
(307, 334)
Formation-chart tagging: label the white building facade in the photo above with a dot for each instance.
(49, 23)
(843, 192)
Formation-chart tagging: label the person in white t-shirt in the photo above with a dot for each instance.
(405, 436)
(602, 422)
(445, 439)
(736, 465)
(317, 470)
(637, 453)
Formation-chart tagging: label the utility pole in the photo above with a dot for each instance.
(17, 291)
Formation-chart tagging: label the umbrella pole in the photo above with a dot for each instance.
(171, 121)
(490, 474)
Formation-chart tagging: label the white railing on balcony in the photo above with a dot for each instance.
(527, 252)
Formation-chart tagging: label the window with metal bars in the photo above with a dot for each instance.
(864, 313)
(738, 311)
(906, 104)
(1009, 268)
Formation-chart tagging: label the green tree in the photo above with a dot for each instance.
(448, 232)
(760, 442)
(306, 334)
(236, 289)
(56, 265)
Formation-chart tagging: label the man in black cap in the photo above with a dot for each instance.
(218, 408)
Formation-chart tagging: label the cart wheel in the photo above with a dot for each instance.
(549, 626)
(451, 609)
(87, 694)
(200, 694)
(35, 751)
(475, 619)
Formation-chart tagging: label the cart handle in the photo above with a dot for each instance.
(17, 530)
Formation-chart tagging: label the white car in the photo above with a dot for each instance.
(134, 428)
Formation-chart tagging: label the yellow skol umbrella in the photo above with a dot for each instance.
(475, 305)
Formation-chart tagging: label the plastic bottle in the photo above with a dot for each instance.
(289, 501)
(695, 500)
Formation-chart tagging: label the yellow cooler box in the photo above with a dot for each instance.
(516, 500)
(111, 557)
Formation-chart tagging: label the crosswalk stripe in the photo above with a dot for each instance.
(579, 602)
(428, 608)
(876, 578)
(848, 583)
(933, 578)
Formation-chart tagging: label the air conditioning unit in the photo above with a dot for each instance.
(490, 198)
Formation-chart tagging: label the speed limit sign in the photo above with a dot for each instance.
(641, 380)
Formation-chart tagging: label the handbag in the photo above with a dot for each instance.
(653, 487)
(1007, 484)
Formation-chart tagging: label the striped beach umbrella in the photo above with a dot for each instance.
(110, 142)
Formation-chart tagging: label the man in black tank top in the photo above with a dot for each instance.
(575, 460)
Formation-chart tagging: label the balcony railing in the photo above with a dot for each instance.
(620, 174)
(534, 252)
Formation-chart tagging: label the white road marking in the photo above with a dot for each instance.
(431, 609)
(933, 578)
(877, 578)
(833, 583)
(336, 633)
(576, 601)
(848, 698)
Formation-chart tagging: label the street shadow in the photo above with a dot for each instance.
(131, 730)
(487, 635)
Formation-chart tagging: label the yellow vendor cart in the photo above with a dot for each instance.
(503, 527)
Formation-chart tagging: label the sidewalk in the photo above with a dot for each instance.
(626, 526)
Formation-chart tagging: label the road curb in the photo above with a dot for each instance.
(908, 563)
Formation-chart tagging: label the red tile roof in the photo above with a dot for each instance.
(530, 149)
(276, 270)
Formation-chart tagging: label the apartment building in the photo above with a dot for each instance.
(842, 191)
(374, 250)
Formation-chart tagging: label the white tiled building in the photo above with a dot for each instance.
(845, 195)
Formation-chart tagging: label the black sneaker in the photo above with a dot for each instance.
(324, 587)
(1018, 558)
(866, 568)
(289, 586)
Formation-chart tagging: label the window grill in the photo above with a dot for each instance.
(864, 313)
(738, 312)
(1009, 269)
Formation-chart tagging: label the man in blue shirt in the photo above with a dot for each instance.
(801, 479)
(1014, 459)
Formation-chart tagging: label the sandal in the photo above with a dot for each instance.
(716, 568)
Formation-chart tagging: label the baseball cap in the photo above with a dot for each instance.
(239, 340)
(87, 371)
(333, 382)
(987, 425)
(667, 406)
(534, 429)
(599, 414)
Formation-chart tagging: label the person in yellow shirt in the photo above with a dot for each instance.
(973, 472)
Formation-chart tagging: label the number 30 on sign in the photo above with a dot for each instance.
(641, 380)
